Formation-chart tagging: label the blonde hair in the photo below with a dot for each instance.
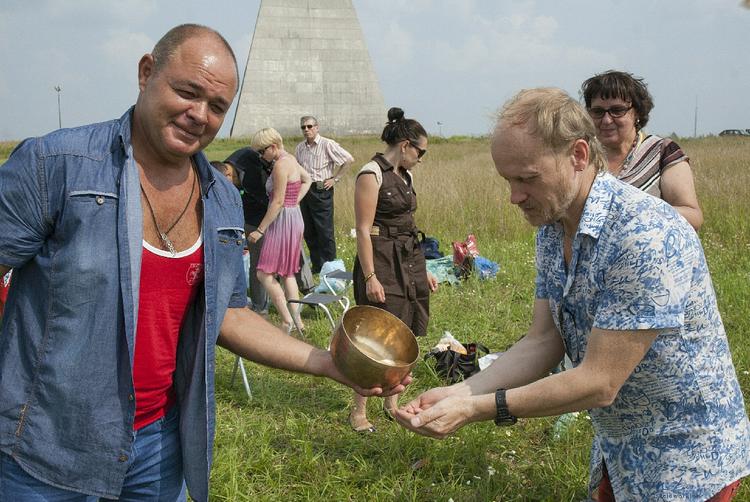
(265, 138)
(551, 115)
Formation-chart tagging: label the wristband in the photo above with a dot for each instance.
(502, 415)
(370, 276)
(261, 232)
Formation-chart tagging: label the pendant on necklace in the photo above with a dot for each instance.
(168, 243)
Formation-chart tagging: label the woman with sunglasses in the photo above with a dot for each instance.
(282, 226)
(389, 270)
(619, 105)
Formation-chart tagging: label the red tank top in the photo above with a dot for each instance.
(168, 287)
(4, 287)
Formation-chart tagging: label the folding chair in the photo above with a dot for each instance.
(322, 300)
(245, 381)
(342, 275)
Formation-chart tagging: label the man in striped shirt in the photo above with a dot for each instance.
(320, 157)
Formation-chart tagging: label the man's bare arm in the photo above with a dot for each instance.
(610, 359)
(248, 335)
(528, 360)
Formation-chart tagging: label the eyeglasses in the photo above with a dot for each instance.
(307, 126)
(615, 112)
(420, 151)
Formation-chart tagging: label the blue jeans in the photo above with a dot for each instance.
(154, 474)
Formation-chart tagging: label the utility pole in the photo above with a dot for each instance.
(695, 119)
(59, 112)
(440, 129)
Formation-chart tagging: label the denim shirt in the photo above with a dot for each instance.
(677, 429)
(71, 227)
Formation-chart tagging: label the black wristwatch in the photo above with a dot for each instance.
(502, 415)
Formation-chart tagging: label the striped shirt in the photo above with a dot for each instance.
(320, 158)
(648, 159)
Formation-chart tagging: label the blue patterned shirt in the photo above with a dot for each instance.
(677, 429)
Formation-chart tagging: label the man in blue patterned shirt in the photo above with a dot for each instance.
(623, 289)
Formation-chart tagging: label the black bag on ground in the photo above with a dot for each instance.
(455, 367)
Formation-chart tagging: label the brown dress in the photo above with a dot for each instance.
(399, 263)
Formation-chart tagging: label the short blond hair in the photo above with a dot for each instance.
(554, 117)
(265, 138)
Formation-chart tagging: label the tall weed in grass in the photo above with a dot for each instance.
(292, 440)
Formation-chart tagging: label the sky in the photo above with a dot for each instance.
(452, 62)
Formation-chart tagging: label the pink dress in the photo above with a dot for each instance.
(282, 242)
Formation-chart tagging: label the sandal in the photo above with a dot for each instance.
(286, 328)
(361, 425)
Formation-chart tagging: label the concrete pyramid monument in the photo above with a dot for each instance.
(308, 57)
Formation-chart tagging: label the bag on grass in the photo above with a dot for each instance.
(454, 366)
(464, 254)
(485, 268)
(430, 246)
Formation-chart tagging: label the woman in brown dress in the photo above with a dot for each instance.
(389, 270)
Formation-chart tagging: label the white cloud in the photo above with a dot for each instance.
(396, 48)
(516, 42)
(112, 12)
(544, 27)
(124, 49)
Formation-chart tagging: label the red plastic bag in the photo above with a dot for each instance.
(464, 254)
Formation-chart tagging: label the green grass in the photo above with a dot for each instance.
(292, 440)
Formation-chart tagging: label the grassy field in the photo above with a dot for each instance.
(291, 441)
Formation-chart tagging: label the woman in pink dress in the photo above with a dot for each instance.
(282, 225)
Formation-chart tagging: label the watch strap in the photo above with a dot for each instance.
(503, 415)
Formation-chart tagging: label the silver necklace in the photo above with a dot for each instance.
(164, 235)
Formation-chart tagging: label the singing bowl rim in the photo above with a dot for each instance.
(354, 346)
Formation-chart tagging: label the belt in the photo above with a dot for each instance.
(393, 231)
(318, 186)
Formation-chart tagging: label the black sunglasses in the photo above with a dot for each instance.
(615, 112)
(420, 151)
(307, 126)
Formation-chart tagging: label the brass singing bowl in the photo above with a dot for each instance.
(373, 348)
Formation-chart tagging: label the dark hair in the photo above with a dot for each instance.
(167, 45)
(619, 84)
(398, 128)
